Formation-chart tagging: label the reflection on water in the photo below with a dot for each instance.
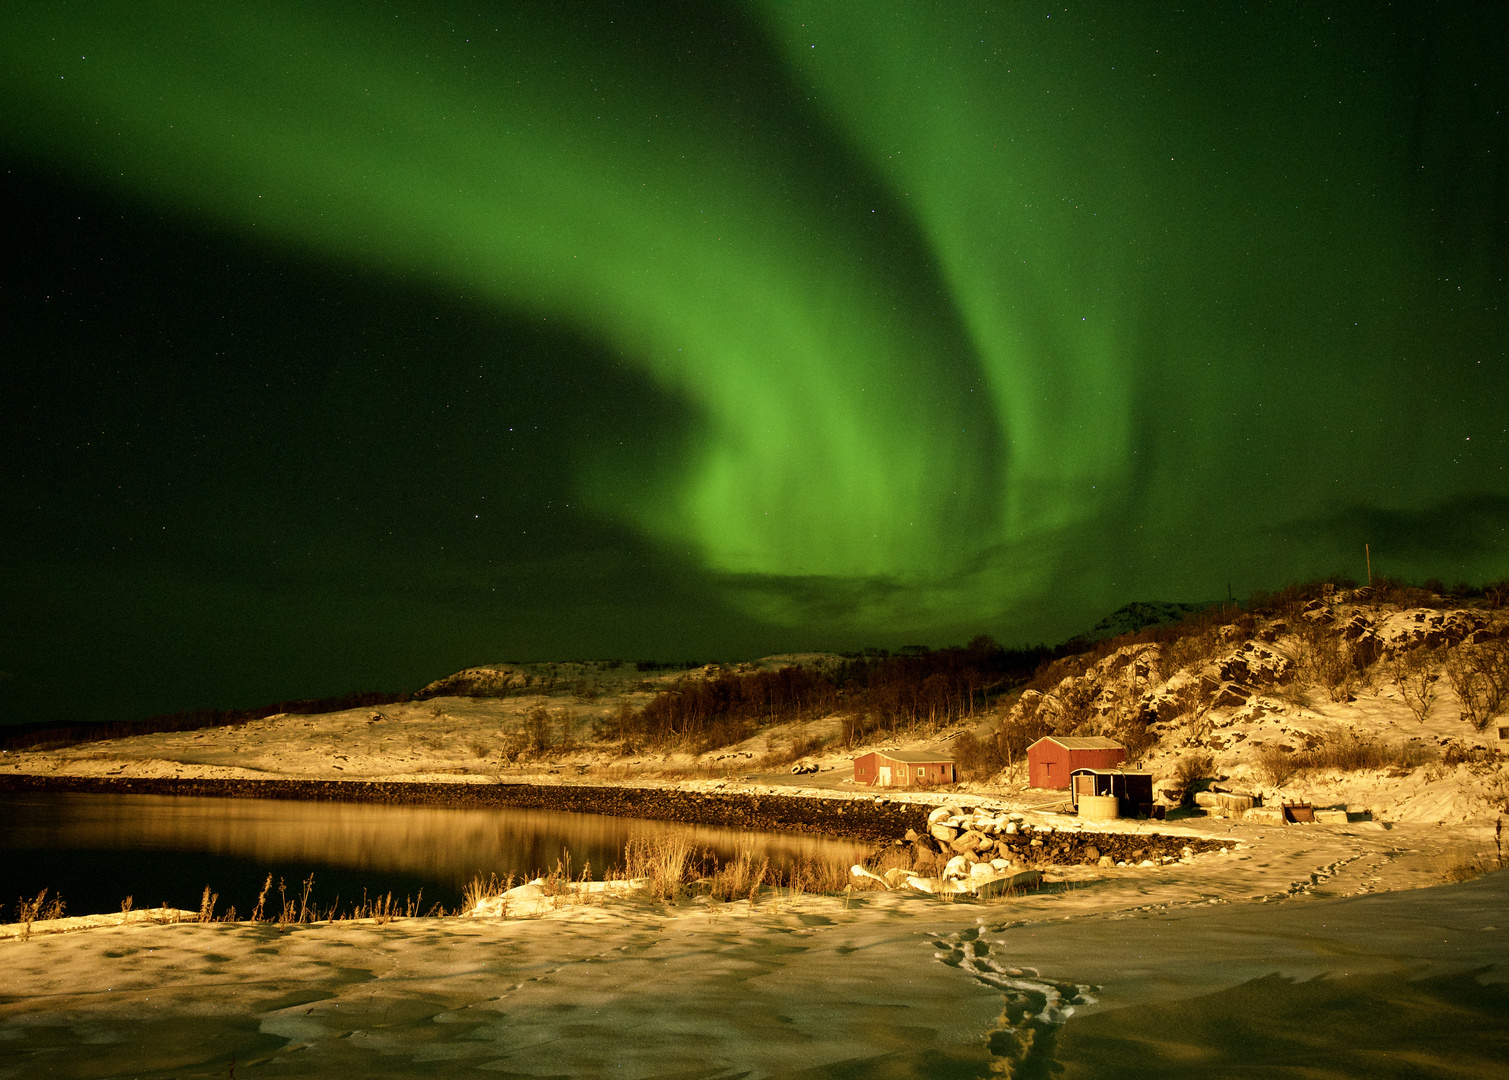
(96, 849)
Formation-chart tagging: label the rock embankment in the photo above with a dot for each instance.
(977, 837)
(870, 820)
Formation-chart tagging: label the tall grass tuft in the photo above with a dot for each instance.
(40, 909)
(661, 860)
(738, 879)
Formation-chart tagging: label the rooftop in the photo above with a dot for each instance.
(1088, 742)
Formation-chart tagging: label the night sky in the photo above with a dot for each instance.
(348, 345)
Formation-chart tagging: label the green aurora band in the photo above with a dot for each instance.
(971, 306)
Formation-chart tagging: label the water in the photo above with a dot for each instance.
(95, 850)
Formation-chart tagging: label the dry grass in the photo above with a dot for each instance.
(1466, 865)
(1277, 765)
(40, 909)
(478, 890)
(798, 748)
(738, 879)
(1346, 752)
(662, 861)
(1190, 652)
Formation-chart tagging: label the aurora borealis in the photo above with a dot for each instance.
(353, 344)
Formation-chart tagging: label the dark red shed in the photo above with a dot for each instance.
(1050, 760)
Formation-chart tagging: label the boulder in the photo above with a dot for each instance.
(1429, 628)
(1234, 801)
(1265, 815)
(1229, 696)
(1255, 665)
(860, 872)
(1331, 817)
(1025, 879)
(941, 814)
(944, 833)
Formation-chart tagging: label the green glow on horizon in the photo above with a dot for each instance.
(1057, 407)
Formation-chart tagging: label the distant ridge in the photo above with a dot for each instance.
(1138, 615)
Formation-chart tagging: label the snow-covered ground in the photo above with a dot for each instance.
(1150, 970)
(1122, 974)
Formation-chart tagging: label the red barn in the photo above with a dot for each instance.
(1050, 760)
(904, 768)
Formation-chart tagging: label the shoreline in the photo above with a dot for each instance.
(848, 818)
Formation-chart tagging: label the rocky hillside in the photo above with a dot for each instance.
(1345, 699)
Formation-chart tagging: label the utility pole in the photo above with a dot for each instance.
(1367, 549)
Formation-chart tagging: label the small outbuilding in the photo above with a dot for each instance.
(1132, 790)
(905, 768)
(1051, 759)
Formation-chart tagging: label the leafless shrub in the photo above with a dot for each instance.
(1190, 652)
(979, 759)
(1188, 771)
(1479, 759)
(537, 730)
(1194, 700)
(1073, 703)
(1193, 767)
(207, 905)
(1134, 735)
(1277, 765)
(1480, 676)
(1324, 658)
(1414, 671)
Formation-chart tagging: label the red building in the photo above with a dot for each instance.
(1050, 760)
(905, 768)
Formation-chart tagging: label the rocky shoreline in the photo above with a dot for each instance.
(876, 821)
(856, 819)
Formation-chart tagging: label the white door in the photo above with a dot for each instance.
(885, 776)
